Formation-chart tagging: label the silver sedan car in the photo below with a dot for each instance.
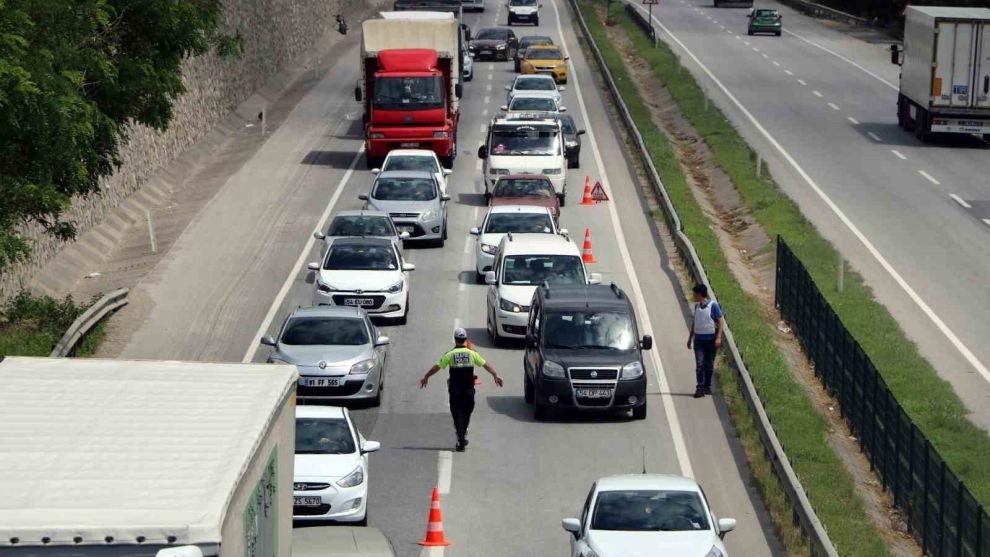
(415, 202)
(340, 354)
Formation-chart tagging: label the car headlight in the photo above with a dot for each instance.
(506, 305)
(500, 47)
(395, 288)
(633, 370)
(498, 171)
(550, 171)
(324, 287)
(355, 478)
(714, 552)
(571, 143)
(489, 248)
(553, 369)
(429, 214)
(364, 366)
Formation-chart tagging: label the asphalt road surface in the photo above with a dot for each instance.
(239, 269)
(913, 218)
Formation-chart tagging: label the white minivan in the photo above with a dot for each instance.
(522, 263)
(525, 144)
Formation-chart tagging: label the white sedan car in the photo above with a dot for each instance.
(533, 102)
(517, 219)
(330, 481)
(644, 515)
(364, 272)
(539, 83)
(415, 160)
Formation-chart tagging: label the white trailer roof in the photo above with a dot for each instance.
(417, 15)
(948, 12)
(96, 448)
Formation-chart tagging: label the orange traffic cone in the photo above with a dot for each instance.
(586, 254)
(587, 200)
(434, 528)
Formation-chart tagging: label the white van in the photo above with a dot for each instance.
(522, 263)
(525, 144)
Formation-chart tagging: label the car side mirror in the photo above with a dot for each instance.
(363, 197)
(458, 90)
(504, 107)
(313, 266)
(268, 340)
(564, 232)
(357, 93)
(567, 58)
(562, 109)
(562, 88)
(490, 278)
(581, 132)
(573, 526)
(646, 343)
(725, 525)
(483, 152)
(444, 197)
(408, 266)
(447, 172)
(319, 235)
(382, 340)
(508, 87)
(375, 171)
(403, 235)
(370, 447)
(596, 278)
(475, 231)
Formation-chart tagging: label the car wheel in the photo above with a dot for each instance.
(639, 412)
(572, 162)
(539, 411)
(363, 521)
(536, 20)
(749, 32)
(528, 389)
(377, 401)
(777, 33)
(405, 314)
(563, 198)
(479, 277)
(444, 230)
(493, 329)
(518, 66)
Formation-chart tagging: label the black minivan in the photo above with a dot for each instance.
(583, 351)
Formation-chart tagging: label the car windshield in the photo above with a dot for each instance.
(537, 104)
(325, 331)
(567, 123)
(492, 35)
(766, 13)
(522, 2)
(361, 226)
(649, 510)
(589, 329)
(408, 93)
(537, 84)
(534, 270)
(324, 436)
(531, 41)
(525, 140)
(544, 54)
(519, 223)
(413, 163)
(360, 258)
(404, 189)
(523, 187)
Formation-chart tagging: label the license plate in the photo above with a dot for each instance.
(487, 52)
(362, 302)
(408, 145)
(307, 501)
(320, 381)
(593, 393)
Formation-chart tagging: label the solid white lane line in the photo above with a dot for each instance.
(802, 82)
(915, 297)
(874, 136)
(776, 63)
(960, 201)
(788, 72)
(294, 271)
(445, 466)
(844, 59)
(834, 106)
(929, 177)
(817, 94)
(898, 154)
(673, 422)
(852, 120)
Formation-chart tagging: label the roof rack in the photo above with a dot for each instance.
(618, 291)
(509, 235)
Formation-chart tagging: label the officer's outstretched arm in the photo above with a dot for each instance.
(488, 367)
(426, 378)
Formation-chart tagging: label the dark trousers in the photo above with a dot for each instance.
(461, 406)
(704, 359)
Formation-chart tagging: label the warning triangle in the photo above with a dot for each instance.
(598, 193)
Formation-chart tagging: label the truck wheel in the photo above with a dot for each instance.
(527, 389)
(921, 125)
(372, 162)
(639, 412)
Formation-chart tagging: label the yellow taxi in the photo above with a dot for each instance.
(545, 59)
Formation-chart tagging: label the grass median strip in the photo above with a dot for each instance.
(801, 429)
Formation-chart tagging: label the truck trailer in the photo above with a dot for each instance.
(411, 84)
(107, 458)
(945, 71)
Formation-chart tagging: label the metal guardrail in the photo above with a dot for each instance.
(819, 10)
(804, 515)
(84, 323)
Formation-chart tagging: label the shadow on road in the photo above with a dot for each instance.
(333, 159)
(516, 408)
(472, 199)
(892, 134)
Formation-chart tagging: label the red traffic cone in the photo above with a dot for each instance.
(587, 200)
(434, 527)
(586, 254)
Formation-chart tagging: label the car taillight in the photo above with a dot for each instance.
(376, 135)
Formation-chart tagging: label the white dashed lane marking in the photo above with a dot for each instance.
(874, 136)
(788, 72)
(776, 63)
(898, 154)
(817, 94)
(960, 201)
(834, 106)
(802, 82)
(929, 177)
(852, 120)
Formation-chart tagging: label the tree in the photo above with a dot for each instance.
(73, 75)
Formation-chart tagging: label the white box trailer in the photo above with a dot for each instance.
(145, 458)
(945, 71)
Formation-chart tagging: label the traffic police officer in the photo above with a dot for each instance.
(460, 386)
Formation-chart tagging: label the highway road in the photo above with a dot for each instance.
(239, 269)
(913, 218)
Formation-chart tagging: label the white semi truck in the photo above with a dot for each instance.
(107, 458)
(945, 71)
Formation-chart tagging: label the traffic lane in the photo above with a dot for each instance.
(916, 225)
(711, 442)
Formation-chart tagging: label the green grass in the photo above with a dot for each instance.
(928, 400)
(31, 326)
(801, 429)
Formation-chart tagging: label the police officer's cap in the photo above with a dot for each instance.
(460, 334)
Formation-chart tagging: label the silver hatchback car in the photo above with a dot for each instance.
(415, 202)
(340, 354)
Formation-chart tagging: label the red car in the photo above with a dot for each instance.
(525, 189)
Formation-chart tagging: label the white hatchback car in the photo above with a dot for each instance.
(517, 219)
(417, 160)
(644, 515)
(330, 481)
(364, 272)
(534, 83)
(522, 263)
